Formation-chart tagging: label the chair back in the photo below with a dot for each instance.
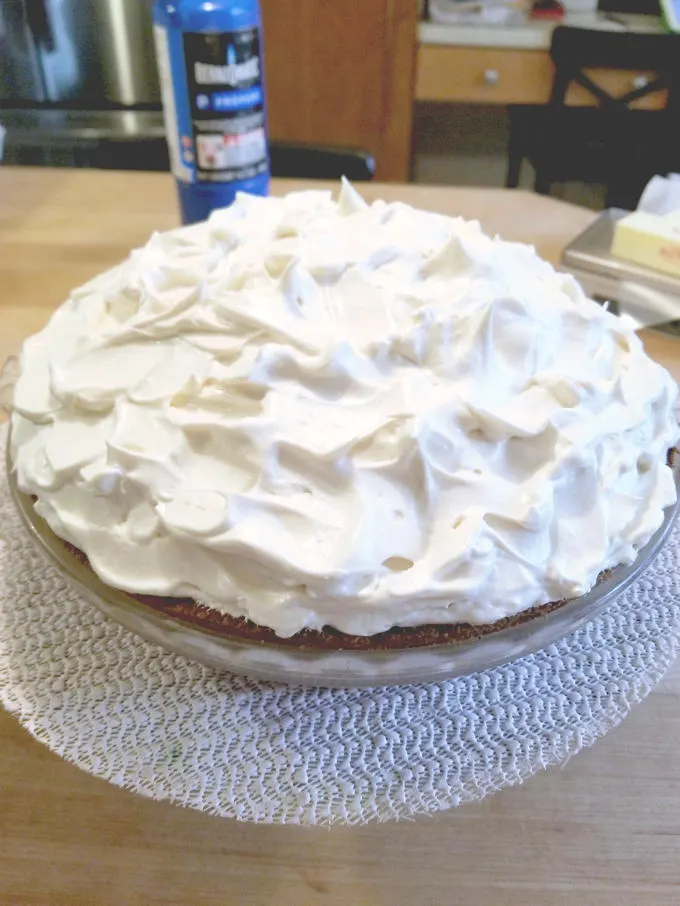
(574, 50)
(301, 161)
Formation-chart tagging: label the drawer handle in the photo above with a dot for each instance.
(640, 81)
(491, 77)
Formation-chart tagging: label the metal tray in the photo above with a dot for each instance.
(651, 297)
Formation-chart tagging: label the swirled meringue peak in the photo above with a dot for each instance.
(316, 412)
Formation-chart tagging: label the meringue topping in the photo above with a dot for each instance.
(313, 412)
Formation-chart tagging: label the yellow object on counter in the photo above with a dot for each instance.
(652, 240)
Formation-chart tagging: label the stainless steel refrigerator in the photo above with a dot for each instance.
(78, 82)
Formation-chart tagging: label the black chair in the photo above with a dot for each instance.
(294, 161)
(299, 161)
(609, 143)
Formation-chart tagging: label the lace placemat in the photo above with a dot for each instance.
(153, 722)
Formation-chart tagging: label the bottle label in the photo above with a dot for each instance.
(219, 121)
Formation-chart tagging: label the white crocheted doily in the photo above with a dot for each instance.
(156, 723)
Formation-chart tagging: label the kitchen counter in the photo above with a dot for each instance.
(604, 830)
(520, 32)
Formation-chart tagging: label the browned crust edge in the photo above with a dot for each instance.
(186, 610)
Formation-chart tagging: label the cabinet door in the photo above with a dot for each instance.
(342, 72)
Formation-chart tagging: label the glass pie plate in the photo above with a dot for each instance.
(339, 668)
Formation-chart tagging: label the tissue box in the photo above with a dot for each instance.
(652, 240)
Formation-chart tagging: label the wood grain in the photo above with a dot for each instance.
(603, 831)
(341, 72)
(457, 75)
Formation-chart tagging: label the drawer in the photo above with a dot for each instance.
(486, 75)
(482, 75)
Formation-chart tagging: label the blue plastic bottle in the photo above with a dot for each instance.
(211, 73)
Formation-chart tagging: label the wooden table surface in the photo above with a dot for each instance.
(603, 830)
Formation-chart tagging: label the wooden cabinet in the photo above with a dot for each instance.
(342, 72)
(345, 72)
(485, 75)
